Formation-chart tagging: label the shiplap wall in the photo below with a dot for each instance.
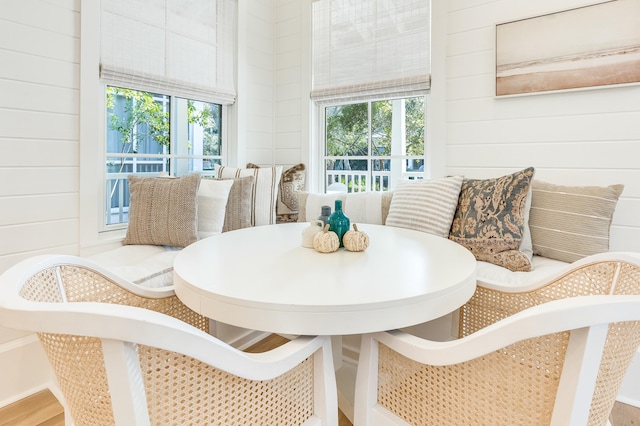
(39, 92)
(256, 91)
(39, 141)
(582, 137)
(292, 82)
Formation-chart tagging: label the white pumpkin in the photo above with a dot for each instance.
(355, 240)
(326, 241)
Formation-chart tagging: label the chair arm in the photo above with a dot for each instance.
(552, 317)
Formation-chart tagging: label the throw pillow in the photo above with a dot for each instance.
(490, 219)
(425, 205)
(265, 190)
(163, 210)
(238, 212)
(570, 222)
(291, 183)
(212, 202)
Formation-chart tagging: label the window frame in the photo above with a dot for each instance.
(94, 237)
(320, 149)
(172, 156)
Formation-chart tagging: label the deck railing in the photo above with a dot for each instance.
(356, 180)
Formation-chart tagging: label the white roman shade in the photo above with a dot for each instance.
(176, 47)
(369, 49)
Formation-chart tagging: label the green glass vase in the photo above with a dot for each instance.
(339, 222)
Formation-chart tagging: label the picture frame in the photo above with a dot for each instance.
(590, 46)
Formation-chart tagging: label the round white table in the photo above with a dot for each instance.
(262, 278)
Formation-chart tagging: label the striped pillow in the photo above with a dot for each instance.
(571, 222)
(425, 205)
(265, 190)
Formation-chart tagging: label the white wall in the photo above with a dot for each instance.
(583, 137)
(255, 83)
(39, 139)
(292, 82)
(39, 57)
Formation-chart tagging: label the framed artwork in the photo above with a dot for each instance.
(596, 45)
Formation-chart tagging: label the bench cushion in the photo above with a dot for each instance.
(145, 265)
(496, 277)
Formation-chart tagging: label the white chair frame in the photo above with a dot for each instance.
(122, 328)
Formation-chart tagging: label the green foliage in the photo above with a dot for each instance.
(348, 130)
(142, 117)
(208, 117)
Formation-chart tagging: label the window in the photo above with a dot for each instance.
(371, 77)
(153, 134)
(166, 70)
(370, 145)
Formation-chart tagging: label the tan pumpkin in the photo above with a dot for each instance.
(326, 241)
(355, 240)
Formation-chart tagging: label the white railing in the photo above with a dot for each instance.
(356, 180)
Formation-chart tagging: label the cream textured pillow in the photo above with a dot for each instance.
(238, 212)
(212, 203)
(163, 211)
(570, 222)
(425, 205)
(265, 190)
(490, 219)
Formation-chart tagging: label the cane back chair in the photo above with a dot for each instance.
(127, 355)
(555, 353)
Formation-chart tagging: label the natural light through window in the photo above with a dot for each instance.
(370, 146)
(152, 134)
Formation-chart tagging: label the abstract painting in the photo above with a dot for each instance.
(597, 45)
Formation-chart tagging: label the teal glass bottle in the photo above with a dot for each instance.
(339, 222)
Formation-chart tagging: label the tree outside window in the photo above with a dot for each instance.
(155, 134)
(371, 145)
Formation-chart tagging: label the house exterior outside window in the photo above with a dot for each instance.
(151, 134)
(370, 146)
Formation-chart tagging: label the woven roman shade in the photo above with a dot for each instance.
(171, 47)
(370, 49)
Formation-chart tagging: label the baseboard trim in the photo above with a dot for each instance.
(246, 340)
(630, 390)
(24, 369)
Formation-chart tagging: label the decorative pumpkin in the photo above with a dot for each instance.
(355, 240)
(326, 241)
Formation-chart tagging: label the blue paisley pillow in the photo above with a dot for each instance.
(490, 219)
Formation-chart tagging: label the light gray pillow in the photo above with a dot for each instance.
(425, 205)
(212, 202)
(163, 210)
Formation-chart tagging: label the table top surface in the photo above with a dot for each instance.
(262, 278)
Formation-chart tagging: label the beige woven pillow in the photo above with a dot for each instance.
(238, 211)
(163, 211)
(265, 190)
(425, 205)
(570, 222)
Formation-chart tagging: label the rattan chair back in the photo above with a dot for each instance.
(556, 354)
(166, 379)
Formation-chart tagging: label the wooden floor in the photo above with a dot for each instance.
(43, 409)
